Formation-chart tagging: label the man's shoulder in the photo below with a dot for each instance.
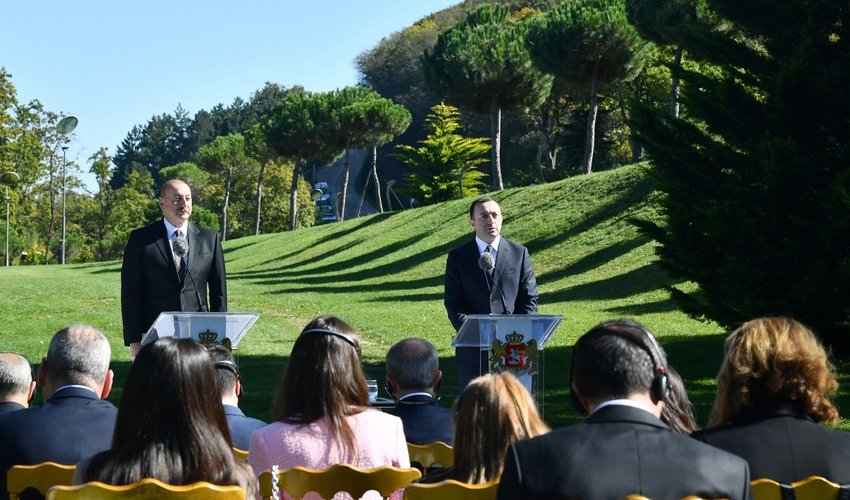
(203, 231)
(463, 248)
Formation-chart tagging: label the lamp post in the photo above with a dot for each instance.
(8, 179)
(64, 127)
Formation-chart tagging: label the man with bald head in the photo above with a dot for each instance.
(170, 265)
(16, 383)
(74, 422)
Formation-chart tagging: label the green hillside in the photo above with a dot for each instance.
(383, 274)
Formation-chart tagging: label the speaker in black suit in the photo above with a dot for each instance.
(509, 288)
(155, 278)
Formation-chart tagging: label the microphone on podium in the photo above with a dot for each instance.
(181, 247)
(486, 263)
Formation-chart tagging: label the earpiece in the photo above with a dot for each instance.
(325, 331)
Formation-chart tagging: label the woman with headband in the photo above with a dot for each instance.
(321, 409)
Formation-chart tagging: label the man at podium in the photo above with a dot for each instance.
(169, 266)
(488, 274)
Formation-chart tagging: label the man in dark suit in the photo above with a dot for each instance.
(74, 422)
(623, 448)
(160, 274)
(509, 288)
(413, 377)
(230, 387)
(16, 384)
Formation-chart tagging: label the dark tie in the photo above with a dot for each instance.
(180, 260)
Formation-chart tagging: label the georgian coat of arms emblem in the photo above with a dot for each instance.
(514, 356)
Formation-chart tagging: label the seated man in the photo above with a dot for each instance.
(619, 379)
(230, 387)
(74, 422)
(16, 384)
(413, 376)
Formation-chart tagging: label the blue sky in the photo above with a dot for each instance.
(116, 63)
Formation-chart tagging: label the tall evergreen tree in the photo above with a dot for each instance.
(756, 190)
(483, 63)
(587, 43)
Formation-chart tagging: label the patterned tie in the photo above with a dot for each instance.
(492, 252)
(179, 261)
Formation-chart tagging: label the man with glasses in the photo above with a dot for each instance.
(170, 265)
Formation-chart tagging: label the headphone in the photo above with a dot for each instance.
(231, 367)
(660, 386)
(324, 331)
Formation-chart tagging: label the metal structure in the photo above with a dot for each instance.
(64, 127)
(8, 179)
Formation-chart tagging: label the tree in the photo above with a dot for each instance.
(658, 21)
(587, 43)
(374, 122)
(443, 165)
(226, 158)
(756, 183)
(101, 167)
(483, 63)
(297, 129)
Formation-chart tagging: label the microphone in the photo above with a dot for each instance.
(181, 246)
(486, 263)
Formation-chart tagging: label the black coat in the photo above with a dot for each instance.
(424, 420)
(785, 446)
(149, 280)
(618, 451)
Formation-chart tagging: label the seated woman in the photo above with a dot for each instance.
(678, 411)
(492, 412)
(321, 409)
(170, 424)
(773, 390)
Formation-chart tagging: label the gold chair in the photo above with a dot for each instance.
(240, 454)
(689, 497)
(452, 490)
(146, 488)
(432, 454)
(39, 477)
(810, 488)
(298, 481)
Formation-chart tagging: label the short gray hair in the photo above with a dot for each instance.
(79, 354)
(413, 363)
(15, 374)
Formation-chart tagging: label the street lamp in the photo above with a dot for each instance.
(64, 127)
(8, 179)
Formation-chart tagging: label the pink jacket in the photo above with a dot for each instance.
(380, 441)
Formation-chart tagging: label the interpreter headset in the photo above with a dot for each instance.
(660, 387)
(231, 367)
(324, 331)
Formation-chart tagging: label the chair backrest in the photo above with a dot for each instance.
(240, 454)
(452, 490)
(39, 477)
(431, 454)
(298, 481)
(689, 497)
(810, 488)
(146, 488)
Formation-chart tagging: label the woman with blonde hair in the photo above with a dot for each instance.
(774, 388)
(321, 409)
(492, 412)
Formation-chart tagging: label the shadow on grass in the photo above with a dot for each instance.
(644, 279)
(696, 357)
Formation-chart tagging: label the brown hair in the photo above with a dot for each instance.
(774, 361)
(170, 424)
(493, 412)
(323, 379)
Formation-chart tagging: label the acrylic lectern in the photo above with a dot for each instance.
(206, 328)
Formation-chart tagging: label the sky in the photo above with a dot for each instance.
(116, 63)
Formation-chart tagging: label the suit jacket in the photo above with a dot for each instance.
(150, 283)
(785, 446)
(466, 286)
(7, 406)
(241, 426)
(617, 451)
(424, 420)
(70, 426)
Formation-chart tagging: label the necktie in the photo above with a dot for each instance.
(179, 261)
(491, 251)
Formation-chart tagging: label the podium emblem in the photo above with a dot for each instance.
(514, 356)
(209, 338)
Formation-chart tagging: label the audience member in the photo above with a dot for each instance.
(16, 384)
(619, 379)
(230, 387)
(321, 409)
(773, 390)
(493, 412)
(413, 378)
(678, 412)
(170, 424)
(73, 423)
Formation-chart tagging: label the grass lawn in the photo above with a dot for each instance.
(383, 274)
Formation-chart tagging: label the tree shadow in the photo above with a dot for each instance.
(594, 260)
(644, 279)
